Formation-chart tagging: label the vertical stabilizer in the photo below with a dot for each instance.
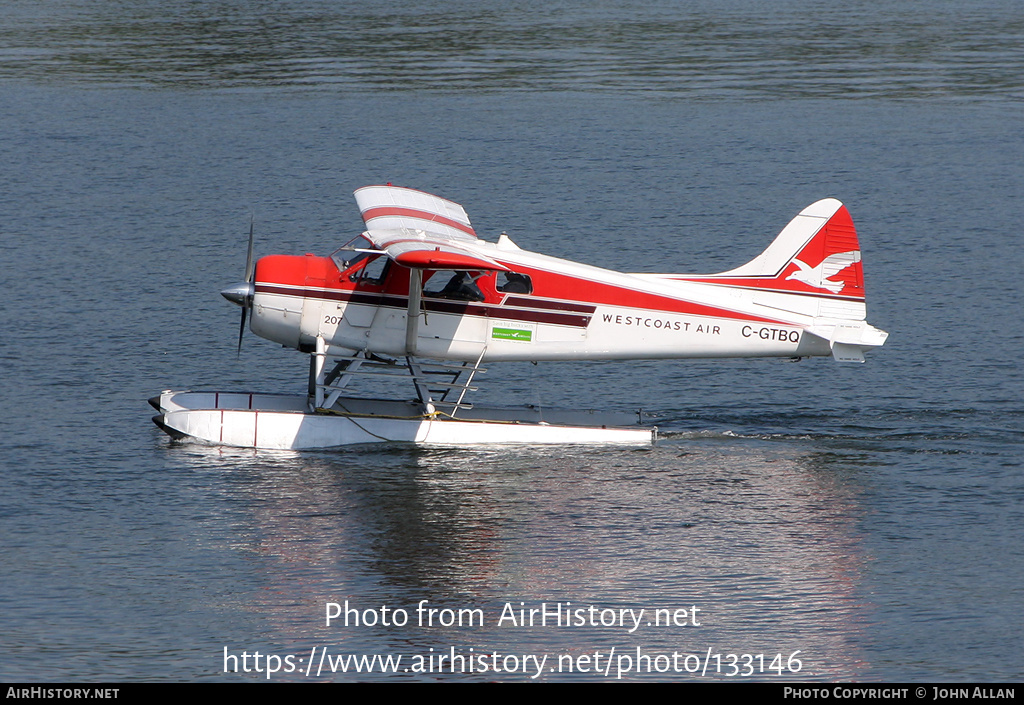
(813, 269)
(817, 253)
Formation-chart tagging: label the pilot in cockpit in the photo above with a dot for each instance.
(461, 286)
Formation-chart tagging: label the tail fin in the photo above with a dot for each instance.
(817, 253)
(813, 269)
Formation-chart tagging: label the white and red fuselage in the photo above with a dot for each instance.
(475, 300)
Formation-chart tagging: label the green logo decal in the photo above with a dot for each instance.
(520, 334)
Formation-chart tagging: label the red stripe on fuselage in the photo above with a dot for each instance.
(452, 306)
(771, 284)
(284, 274)
(524, 302)
(586, 291)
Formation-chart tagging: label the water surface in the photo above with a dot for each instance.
(868, 516)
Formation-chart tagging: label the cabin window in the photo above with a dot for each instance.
(461, 286)
(513, 283)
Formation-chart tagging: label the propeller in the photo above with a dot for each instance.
(242, 293)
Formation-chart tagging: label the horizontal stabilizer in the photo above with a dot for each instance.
(848, 339)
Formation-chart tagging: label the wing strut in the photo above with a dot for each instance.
(412, 316)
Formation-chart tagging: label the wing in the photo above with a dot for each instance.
(420, 230)
(392, 207)
(417, 249)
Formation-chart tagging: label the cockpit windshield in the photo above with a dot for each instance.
(353, 252)
(364, 264)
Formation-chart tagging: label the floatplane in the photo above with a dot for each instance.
(419, 295)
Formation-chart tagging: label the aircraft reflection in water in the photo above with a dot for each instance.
(418, 294)
(449, 521)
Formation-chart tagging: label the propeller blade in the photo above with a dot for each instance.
(242, 294)
(241, 331)
(248, 257)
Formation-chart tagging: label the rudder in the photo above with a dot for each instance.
(816, 253)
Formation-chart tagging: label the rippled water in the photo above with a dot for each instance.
(708, 49)
(868, 516)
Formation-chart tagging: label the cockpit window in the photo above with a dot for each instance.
(513, 283)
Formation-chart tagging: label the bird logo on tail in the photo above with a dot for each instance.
(820, 277)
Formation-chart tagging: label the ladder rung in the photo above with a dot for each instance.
(452, 404)
(449, 385)
(380, 373)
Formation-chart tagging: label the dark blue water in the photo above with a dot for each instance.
(868, 516)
